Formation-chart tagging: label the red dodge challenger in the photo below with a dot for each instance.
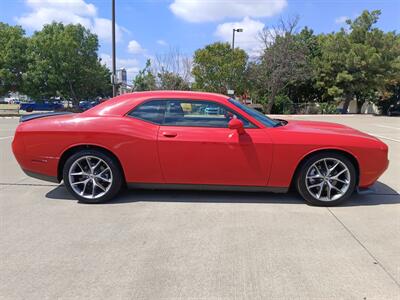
(192, 140)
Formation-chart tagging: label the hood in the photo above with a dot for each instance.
(326, 128)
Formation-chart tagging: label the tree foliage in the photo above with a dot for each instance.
(145, 79)
(284, 62)
(13, 61)
(217, 68)
(171, 81)
(63, 61)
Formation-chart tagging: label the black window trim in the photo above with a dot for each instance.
(254, 126)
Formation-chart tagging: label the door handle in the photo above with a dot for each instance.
(169, 134)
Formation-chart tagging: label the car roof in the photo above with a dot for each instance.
(120, 105)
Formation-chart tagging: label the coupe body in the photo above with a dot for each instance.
(192, 140)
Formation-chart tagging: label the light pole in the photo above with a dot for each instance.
(231, 91)
(114, 86)
(233, 36)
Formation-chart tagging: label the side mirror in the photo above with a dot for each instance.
(236, 124)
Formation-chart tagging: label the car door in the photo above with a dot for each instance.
(196, 146)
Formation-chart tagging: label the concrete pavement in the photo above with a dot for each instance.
(200, 245)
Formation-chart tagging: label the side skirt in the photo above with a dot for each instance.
(206, 187)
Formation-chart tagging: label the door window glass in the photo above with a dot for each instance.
(192, 113)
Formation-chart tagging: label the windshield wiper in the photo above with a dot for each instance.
(280, 122)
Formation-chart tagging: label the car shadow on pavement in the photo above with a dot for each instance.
(380, 194)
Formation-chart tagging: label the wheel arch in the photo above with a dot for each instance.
(347, 154)
(76, 148)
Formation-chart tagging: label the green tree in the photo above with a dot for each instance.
(13, 62)
(63, 61)
(171, 81)
(216, 68)
(284, 62)
(145, 79)
(304, 88)
(359, 62)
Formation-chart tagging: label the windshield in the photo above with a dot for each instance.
(255, 114)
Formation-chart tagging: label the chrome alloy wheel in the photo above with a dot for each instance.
(328, 179)
(90, 177)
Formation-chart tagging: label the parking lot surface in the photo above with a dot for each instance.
(199, 245)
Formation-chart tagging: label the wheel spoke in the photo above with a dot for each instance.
(328, 191)
(318, 176)
(320, 189)
(93, 188)
(315, 185)
(95, 166)
(104, 179)
(80, 182)
(79, 173)
(106, 169)
(336, 188)
(84, 187)
(88, 162)
(80, 166)
(342, 181)
(338, 174)
(319, 173)
(333, 168)
(99, 185)
(326, 167)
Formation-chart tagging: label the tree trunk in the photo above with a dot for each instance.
(359, 106)
(346, 103)
(270, 103)
(74, 98)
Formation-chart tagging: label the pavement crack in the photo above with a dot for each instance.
(375, 259)
(25, 184)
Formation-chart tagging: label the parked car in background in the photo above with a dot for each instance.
(41, 106)
(148, 140)
(86, 104)
(394, 109)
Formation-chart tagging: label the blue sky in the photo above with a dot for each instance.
(147, 28)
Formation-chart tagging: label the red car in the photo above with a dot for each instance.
(192, 140)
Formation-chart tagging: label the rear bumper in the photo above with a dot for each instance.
(41, 176)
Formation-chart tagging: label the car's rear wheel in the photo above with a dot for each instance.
(326, 179)
(92, 176)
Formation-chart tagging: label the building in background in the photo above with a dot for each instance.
(121, 76)
(122, 81)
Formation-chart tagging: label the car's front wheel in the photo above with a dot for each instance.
(326, 179)
(92, 176)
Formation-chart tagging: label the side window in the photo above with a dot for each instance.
(194, 113)
(152, 111)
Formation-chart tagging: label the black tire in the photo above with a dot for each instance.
(301, 178)
(29, 109)
(116, 182)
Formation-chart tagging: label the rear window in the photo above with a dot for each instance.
(152, 111)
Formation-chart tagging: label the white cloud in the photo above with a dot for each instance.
(248, 40)
(162, 43)
(215, 10)
(341, 20)
(131, 65)
(135, 48)
(67, 12)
